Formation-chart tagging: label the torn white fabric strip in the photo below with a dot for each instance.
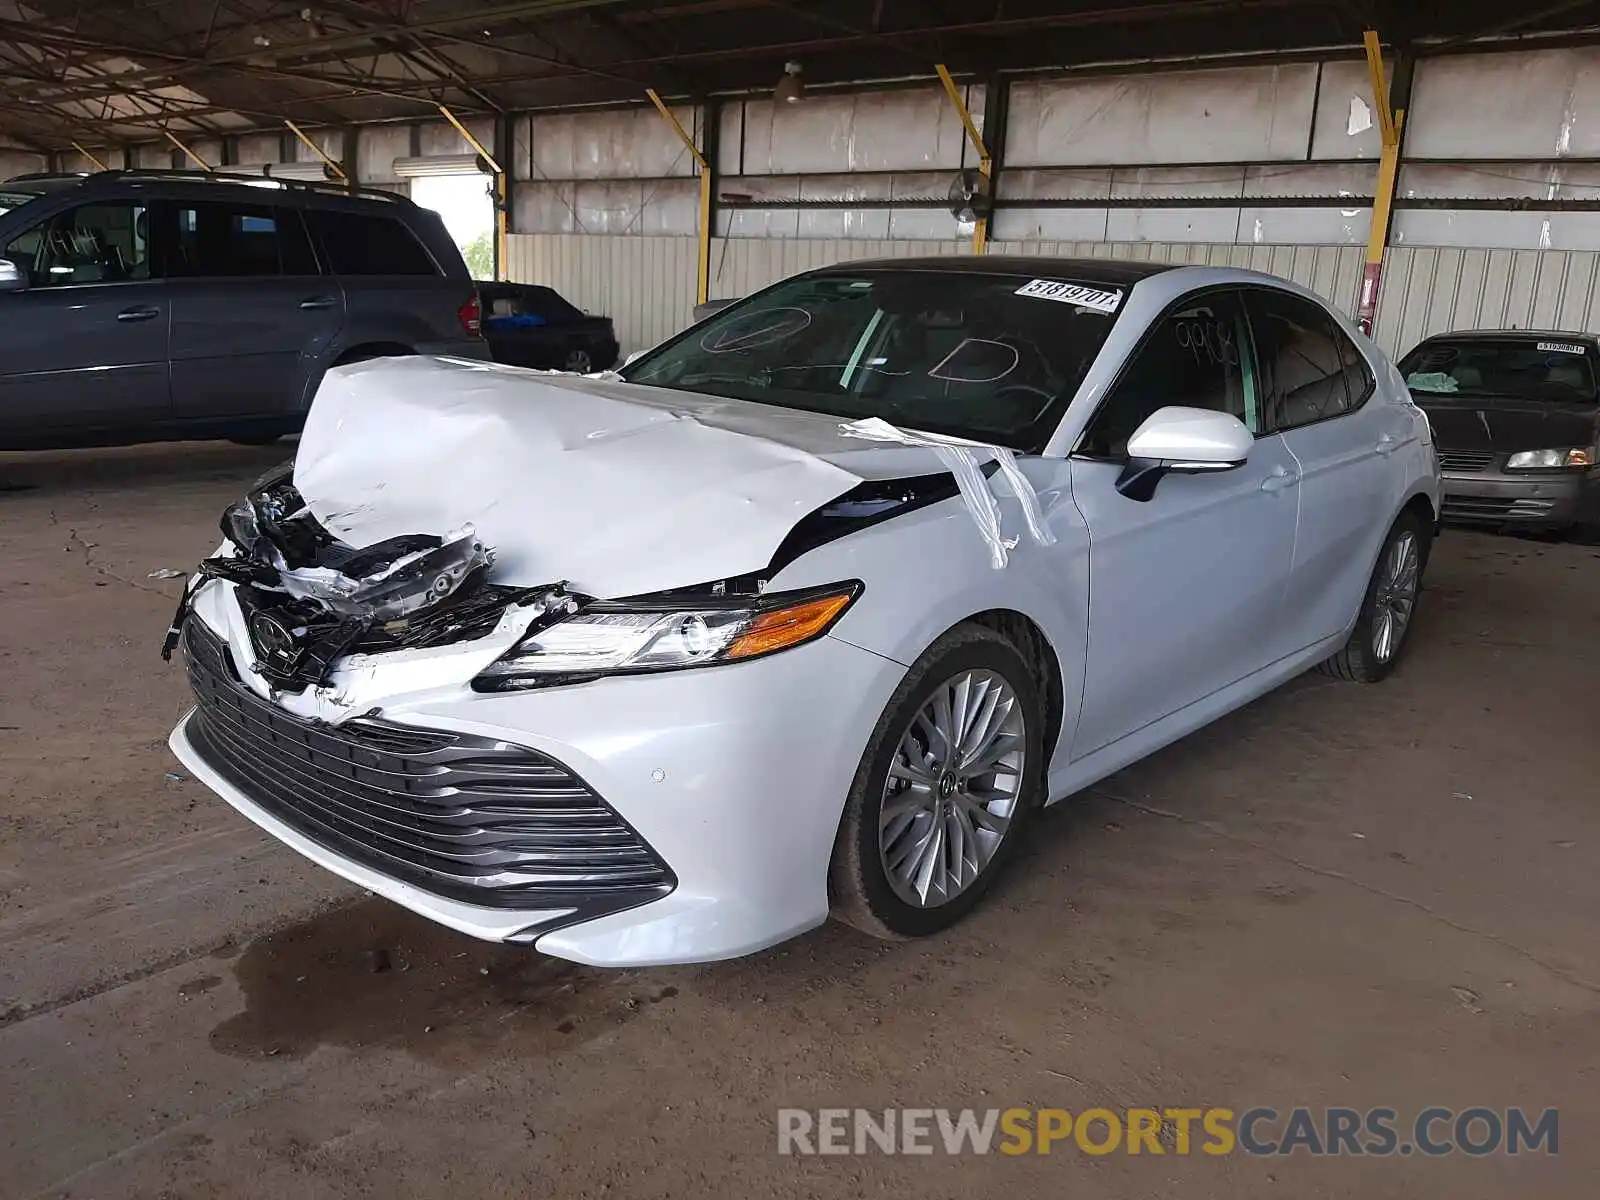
(964, 457)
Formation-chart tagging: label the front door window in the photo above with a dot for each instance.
(108, 242)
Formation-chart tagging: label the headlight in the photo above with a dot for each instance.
(614, 638)
(1537, 460)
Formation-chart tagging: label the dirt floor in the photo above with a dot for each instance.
(1369, 897)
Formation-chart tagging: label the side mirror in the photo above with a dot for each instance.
(1185, 440)
(12, 277)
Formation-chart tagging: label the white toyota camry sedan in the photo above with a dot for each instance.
(807, 610)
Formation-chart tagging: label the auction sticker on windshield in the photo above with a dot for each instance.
(1560, 347)
(1072, 293)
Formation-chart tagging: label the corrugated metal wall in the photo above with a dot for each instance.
(644, 284)
(741, 265)
(1280, 155)
(1428, 291)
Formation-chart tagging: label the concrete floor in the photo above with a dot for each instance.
(1342, 895)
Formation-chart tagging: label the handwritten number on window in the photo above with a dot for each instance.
(1211, 342)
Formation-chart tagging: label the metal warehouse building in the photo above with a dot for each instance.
(1027, 702)
(1212, 131)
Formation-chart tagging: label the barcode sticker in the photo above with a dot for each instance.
(1072, 293)
(1561, 347)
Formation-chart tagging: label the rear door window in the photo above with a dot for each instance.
(216, 240)
(365, 244)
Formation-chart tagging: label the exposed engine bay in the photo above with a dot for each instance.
(309, 599)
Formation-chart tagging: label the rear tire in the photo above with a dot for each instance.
(935, 834)
(1388, 609)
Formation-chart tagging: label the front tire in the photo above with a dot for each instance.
(1388, 609)
(949, 779)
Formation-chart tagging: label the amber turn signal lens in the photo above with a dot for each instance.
(784, 627)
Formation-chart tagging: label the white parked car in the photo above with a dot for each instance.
(808, 610)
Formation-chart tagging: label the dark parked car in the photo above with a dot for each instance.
(154, 305)
(1516, 421)
(528, 325)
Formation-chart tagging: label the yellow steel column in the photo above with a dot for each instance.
(203, 164)
(980, 230)
(1390, 124)
(98, 164)
(499, 189)
(702, 289)
(703, 224)
(317, 150)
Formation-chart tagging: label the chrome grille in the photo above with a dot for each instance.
(469, 818)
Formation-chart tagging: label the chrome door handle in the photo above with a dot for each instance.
(1280, 479)
(311, 303)
(142, 312)
(1387, 444)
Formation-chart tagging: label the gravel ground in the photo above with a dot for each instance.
(1368, 897)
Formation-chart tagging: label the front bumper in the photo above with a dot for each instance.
(733, 776)
(1522, 500)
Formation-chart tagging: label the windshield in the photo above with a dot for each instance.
(994, 358)
(12, 198)
(1537, 369)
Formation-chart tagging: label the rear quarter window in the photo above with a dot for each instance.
(363, 244)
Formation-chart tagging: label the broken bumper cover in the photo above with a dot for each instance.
(730, 779)
(474, 820)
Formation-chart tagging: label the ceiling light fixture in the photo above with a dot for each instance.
(791, 88)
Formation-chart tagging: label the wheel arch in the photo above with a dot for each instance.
(1036, 648)
(1422, 506)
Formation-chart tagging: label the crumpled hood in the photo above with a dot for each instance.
(616, 488)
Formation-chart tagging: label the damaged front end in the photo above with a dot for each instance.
(308, 599)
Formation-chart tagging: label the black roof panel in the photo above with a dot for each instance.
(1118, 271)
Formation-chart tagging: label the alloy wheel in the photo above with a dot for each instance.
(580, 362)
(953, 789)
(1395, 596)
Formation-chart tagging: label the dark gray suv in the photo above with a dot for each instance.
(154, 305)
